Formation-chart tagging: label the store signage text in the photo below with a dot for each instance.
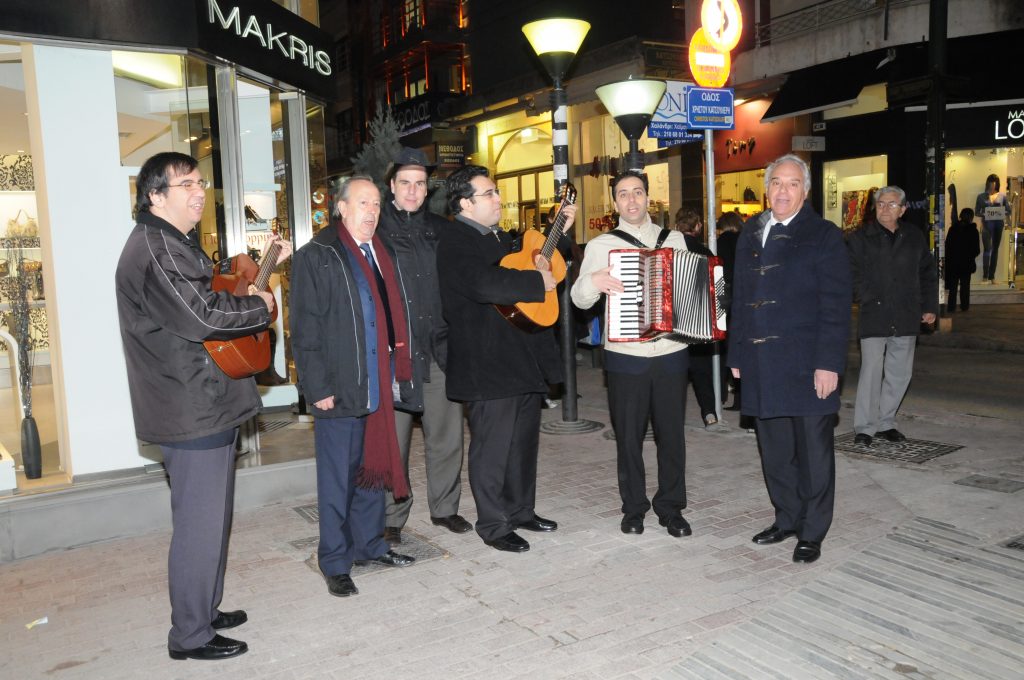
(412, 118)
(1014, 126)
(290, 46)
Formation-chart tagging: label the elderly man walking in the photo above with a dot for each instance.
(895, 281)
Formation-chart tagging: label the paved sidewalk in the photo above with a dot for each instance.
(913, 581)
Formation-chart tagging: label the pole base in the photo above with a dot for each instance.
(560, 427)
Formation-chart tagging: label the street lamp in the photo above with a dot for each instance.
(556, 41)
(632, 103)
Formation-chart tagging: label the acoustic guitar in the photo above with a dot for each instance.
(248, 355)
(535, 316)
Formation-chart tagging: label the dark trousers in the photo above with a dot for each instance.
(798, 460)
(963, 284)
(702, 375)
(633, 398)
(504, 435)
(351, 517)
(202, 500)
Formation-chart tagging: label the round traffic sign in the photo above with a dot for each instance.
(722, 22)
(708, 64)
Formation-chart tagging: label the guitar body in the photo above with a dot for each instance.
(245, 356)
(533, 316)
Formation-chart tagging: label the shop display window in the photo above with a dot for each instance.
(21, 258)
(848, 188)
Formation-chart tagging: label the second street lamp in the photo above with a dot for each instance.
(632, 103)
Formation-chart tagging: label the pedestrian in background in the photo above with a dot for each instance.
(894, 281)
(962, 250)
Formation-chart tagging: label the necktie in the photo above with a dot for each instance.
(381, 290)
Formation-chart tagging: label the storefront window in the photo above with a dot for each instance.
(849, 185)
(307, 9)
(967, 170)
(741, 192)
(163, 104)
(21, 256)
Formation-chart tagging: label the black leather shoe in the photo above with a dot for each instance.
(677, 526)
(806, 551)
(227, 620)
(510, 542)
(393, 536)
(218, 648)
(390, 559)
(892, 435)
(538, 523)
(772, 534)
(632, 524)
(341, 585)
(456, 524)
(862, 439)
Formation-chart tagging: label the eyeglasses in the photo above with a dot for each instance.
(490, 193)
(891, 205)
(190, 184)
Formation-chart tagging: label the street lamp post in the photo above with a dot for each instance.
(556, 41)
(632, 103)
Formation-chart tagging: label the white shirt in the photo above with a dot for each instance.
(595, 257)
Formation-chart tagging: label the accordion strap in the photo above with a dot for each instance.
(632, 240)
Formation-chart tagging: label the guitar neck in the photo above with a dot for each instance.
(267, 267)
(554, 234)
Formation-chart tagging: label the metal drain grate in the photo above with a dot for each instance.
(310, 513)
(272, 425)
(909, 451)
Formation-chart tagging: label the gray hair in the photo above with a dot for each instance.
(343, 190)
(788, 158)
(891, 190)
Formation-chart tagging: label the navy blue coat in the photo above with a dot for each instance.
(791, 312)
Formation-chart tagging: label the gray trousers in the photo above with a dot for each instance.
(886, 365)
(442, 438)
(202, 500)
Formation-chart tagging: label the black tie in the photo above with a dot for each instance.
(382, 291)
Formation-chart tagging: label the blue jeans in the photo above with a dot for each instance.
(991, 236)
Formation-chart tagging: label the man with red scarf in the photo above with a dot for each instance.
(351, 345)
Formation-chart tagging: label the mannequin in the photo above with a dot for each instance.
(992, 211)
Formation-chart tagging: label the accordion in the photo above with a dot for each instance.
(667, 292)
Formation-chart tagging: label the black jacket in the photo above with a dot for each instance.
(894, 282)
(488, 357)
(328, 339)
(413, 236)
(790, 314)
(166, 310)
(962, 248)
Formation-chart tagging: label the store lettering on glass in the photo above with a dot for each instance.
(1014, 126)
(291, 46)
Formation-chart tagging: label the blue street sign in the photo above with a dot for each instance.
(710, 108)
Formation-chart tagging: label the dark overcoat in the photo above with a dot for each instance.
(488, 357)
(790, 314)
(894, 280)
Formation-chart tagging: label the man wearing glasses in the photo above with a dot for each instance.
(181, 400)
(895, 281)
(498, 370)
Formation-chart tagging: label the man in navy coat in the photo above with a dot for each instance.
(787, 340)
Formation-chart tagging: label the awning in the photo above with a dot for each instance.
(826, 86)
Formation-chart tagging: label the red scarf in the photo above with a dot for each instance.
(382, 464)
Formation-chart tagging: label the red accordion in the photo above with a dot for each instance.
(668, 292)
